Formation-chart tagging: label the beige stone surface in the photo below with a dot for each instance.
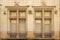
(4, 21)
(3, 35)
(56, 34)
(30, 35)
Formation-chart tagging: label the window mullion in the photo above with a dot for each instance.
(17, 23)
(43, 23)
(52, 22)
(9, 21)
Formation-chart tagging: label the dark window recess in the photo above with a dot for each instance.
(22, 35)
(48, 35)
(38, 35)
(13, 35)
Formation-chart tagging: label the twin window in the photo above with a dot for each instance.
(43, 24)
(17, 19)
(42, 21)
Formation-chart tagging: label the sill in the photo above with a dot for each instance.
(38, 17)
(13, 18)
(43, 38)
(22, 17)
(48, 17)
(27, 39)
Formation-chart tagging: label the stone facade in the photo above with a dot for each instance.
(5, 6)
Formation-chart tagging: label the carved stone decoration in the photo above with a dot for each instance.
(16, 3)
(5, 12)
(0, 9)
(0, 4)
(30, 9)
(30, 13)
(55, 11)
(43, 3)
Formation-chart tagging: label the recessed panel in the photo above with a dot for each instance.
(22, 26)
(38, 26)
(13, 26)
(13, 14)
(47, 13)
(22, 14)
(47, 26)
(38, 14)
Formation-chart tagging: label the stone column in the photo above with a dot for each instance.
(3, 23)
(30, 19)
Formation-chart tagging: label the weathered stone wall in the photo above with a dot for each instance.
(3, 17)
